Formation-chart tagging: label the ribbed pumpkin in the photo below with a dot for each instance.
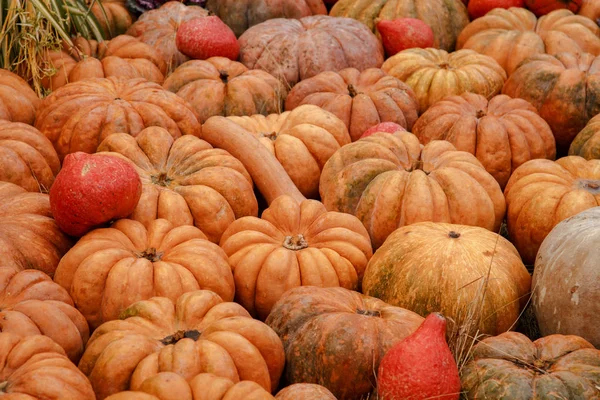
(78, 116)
(241, 15)
(542, 7)
(587, 142)
(434, 74)
(219, 86)
(293, 50)
(29, 237)
(502, 133)
(329, 330)
(36, 368)
(360, 99)
(185, 180)
(27, 157)
(388, 181)
(542, 193)
(454, 269)
(112, 15)
(510, 36)
(294, 245)
(590, 9)
(302, 140)
(305, 391)
(197, 333)
(109, 269)
(124, 57)
(445, 17)
(512, 366)
(563, 88)
(18, 102)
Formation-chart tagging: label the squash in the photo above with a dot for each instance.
(590, 9)
(542, 7)
(587, 142)
(113, 17)
(305, 391)
(18, 102)
(360, 99)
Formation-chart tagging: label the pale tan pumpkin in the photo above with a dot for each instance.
(305, 391)
(18, 102)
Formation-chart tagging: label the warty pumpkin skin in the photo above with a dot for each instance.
(219, 86)
(388, 181)
(434, 74)
(185, 180)
(111, 268)
(432, 266)
(502, 133)
(587, 142)
(27, 157)
(360, 99)
(512, 366)
(294, 244)
(198, 333)
(542, 193)
(512, 35)
(336, 337)
(18, 102)
(78, 116)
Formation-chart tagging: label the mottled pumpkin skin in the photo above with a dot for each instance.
(542, 7)
(199, 333)
(510, 366)
(502, 133)
(587, 142)
(542, 193)
(360, 99)
(446, 17)
(113, 17)
(18, 102)
(564, 88)
(434, 74)
(512, 35)
(305, 391)
(336, 337)
(388, 181)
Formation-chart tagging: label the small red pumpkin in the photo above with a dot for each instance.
(543, 7)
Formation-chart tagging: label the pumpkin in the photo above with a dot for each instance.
(123, 57)
(294, 244)
(29, 237)
(219, 86)
(512, 366)
(302, 140)
(18, 102)
(542, 7)
(445, 17)
(36, 368)
(360, 99)
(185, 180)
(109, 269)
(112, 15)
(432, 266)
(502, 133)
(31, 304)
(388, 181)
(158, 29)
(78, 116)
(296, 49)
(566, 278)
(305, 391)
(587, 142)
(590, 9)
(434, 74)
(510, 36)
(241, 15)
(562, 88)
(27, 157)
(197, 333)
(542, 193)
(328, 330)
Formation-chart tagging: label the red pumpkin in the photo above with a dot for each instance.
(543, 7)
(404, 33)
(206, 37)
(478, 8)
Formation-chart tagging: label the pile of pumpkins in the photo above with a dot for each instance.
(270, 226)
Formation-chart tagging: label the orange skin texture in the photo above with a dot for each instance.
(404, 33)
(543, 7)
(478, 8)
(591, 9)
(389, 127)
(18, 102)
(305, 391)
(202, 38)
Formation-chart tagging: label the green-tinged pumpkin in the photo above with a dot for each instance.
(587, 142)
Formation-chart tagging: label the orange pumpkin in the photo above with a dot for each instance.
(18, 102)
(305, 391)
(112, 15)
(587, 142)
(590, 9)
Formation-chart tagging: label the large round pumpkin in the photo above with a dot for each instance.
(111, 268)
(18, 102)
(294, 245)
(587, 142)
(219, 86)
(196, 334)
(510, 36)
(502, 133)
(542, 193)
(78, 116)
(563, 88)
(510, 366)
(336, 337)
(388, 181)
(454, 269)
(360, 99)
(185, 181)
(293, 50)
(434, 74)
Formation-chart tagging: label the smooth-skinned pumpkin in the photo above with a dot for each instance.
(18, 102)
(305, 391)
(542, 7)
(587, 142)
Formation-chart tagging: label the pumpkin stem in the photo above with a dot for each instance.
(444, 65)
(454, 235)
(3, 385)
(351, 90)
(418, 165)
(480, 114)
(224, 76)
(150, 254)
(369, 313)
(161, 179)
(590, 185)
(269, 135)
(296, 242)
(177, 336)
